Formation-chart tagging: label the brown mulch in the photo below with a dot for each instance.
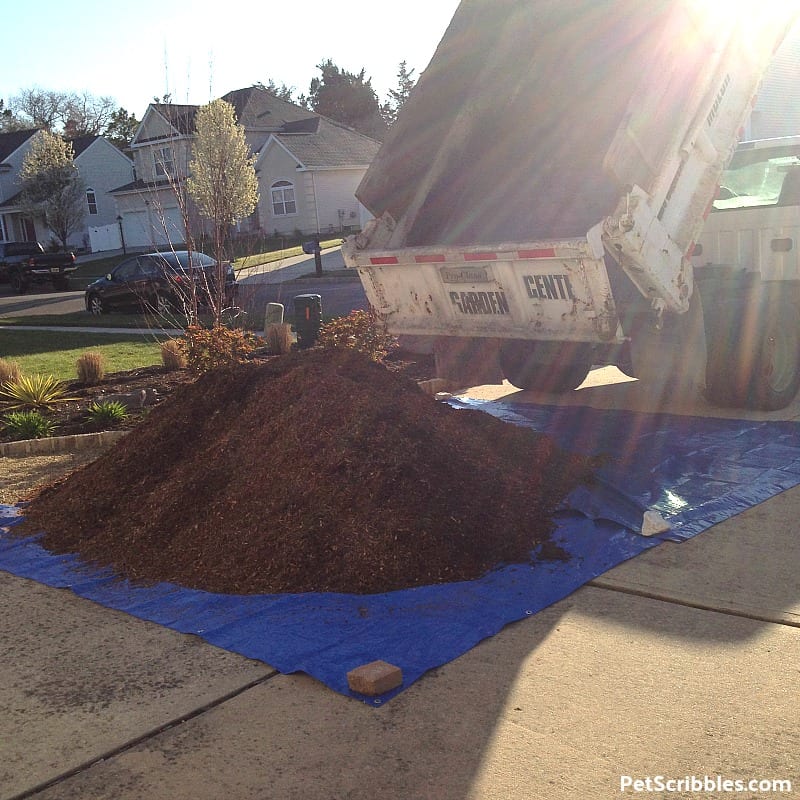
(317, 471)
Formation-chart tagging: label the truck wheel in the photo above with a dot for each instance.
(546, 366)
(754, 352)
(776, 376)
(18, 283)
(62, 284)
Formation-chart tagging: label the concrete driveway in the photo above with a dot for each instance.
(678, 666)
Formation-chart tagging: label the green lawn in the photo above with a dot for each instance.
(56, 353)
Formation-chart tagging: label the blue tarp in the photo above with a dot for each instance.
(695, 472)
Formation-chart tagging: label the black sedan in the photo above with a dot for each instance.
(161, 282)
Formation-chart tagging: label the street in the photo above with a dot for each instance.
(278, 282)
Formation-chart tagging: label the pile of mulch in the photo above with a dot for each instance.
(317, 471)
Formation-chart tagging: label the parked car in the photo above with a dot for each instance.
(160, 282)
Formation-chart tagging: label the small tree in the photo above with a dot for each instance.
(222, 181)
(397, 97)
(52, 188)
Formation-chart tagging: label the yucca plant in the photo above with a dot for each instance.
(27, 425)
(105, 412)
(33, 391)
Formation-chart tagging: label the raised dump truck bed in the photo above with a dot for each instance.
(585, 135)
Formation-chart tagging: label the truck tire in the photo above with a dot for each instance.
(62, 284)
(17, 281)
(554, 367)
(754, 351)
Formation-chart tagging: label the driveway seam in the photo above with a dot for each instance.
(730, 611)
(115, 751)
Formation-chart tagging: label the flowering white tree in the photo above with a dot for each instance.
(52, 188)
(222, 179)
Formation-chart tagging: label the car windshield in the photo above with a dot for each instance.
(760, 178)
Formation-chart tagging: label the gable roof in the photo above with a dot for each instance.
(328, 144)
(13, 140)
(82, 143)
(256, 108)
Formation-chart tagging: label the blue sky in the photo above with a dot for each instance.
(198, 51)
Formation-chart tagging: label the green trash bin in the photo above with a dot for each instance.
(307, 319)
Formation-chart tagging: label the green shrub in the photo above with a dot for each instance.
(172, 356)
(91, 368)
(208, 348)
(10, 371)
(27, 425)
(360, 330)
(35, 391)
(104, 412)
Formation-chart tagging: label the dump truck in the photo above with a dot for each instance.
(539, 201)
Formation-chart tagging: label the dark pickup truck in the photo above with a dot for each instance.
(24, 263)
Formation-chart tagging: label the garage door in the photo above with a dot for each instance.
(153, 228)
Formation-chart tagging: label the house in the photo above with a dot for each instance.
(102, 167)
(308, 168)
(14, 226)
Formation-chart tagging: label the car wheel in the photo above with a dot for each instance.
(18, 283)
(162, 304)
(95, 305)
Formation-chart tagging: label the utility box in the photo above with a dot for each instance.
(307, 318)
(273, 314)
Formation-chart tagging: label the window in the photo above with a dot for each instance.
(165, 164)
(765, 176)
(283, 199)
(91, 200)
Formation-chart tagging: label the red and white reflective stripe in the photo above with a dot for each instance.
(444, 258)
(380, 260)
(543, 252)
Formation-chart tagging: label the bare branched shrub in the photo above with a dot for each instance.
(10, 371)
(278, 338)
(172, 355)
(91, 368)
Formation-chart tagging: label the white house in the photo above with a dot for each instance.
(308, 168)
(102, 167)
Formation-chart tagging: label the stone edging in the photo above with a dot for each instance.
(59, 444)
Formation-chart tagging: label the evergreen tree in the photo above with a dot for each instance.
(121, 129)
(347, 98)
(397, 97)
